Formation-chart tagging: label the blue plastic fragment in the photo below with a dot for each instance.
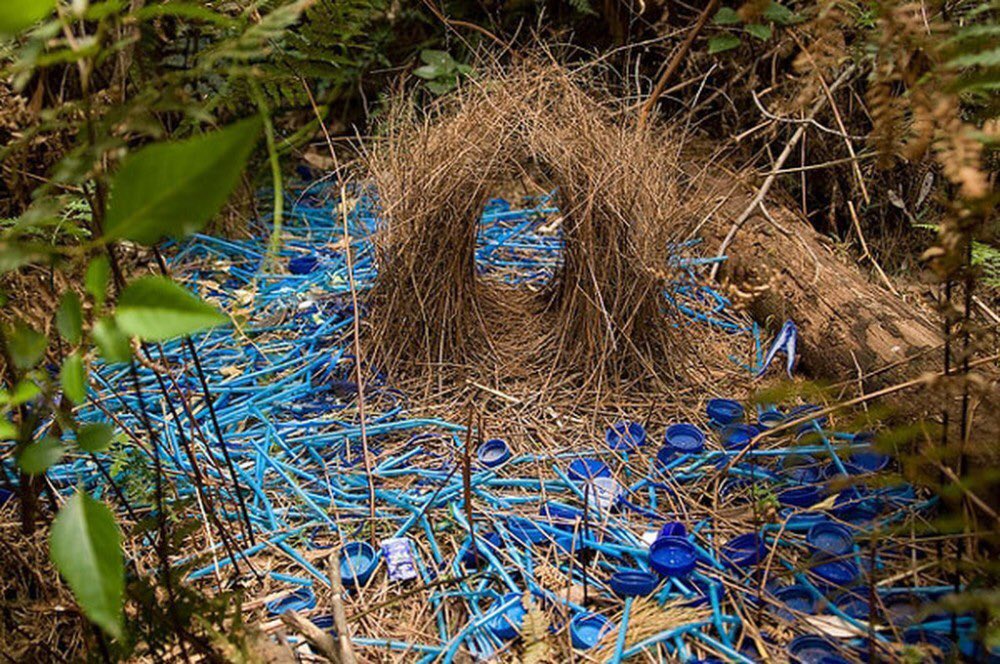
(625, 436)
(586, 469)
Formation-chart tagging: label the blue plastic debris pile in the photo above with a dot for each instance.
(767, 519)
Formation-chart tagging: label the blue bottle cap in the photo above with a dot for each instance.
(507, 625)
(604, 494)
(900, 494)
(587, 469)
(832, 572)
(901, 609)
(525, 531)
(673, 529)
(672, 556)
(801, 496)
(868, 460)
(358, 562)
(797, 598)
(625, 436)
(854, 603)
(5, 495)
(857, 505)
(685, 438)
(743, 551)
(493, 452)
(830, 538)
(484, 542)
(738, 436)
(587, 629)
(834, 659)
(810, 649)
(724, 411)
(936, 646)
(633, 583)
(770, 418)
(797, 521)
(563, 513)
(301, 599)
(303, 264)
(324, 622)
(800, 468)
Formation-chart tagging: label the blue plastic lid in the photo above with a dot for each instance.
(303, 264)
(493, 452)
(507, 625)
(587, 469)
(724, 411)
(770, 418)
(633, 583)
(301, 599)
(801, 496)
(936, 645)
(324, 622)
(901, 609)
(525, 530)
(5, 495)
(831, 538)
(797, 521)
(869, 459)
(685, 438)
(743, 551)
(810, 649)
(625, 436)
(857, 505)
(833, 572)
(800, 468)
(797, 598)
(854, 603)
(672, 556)
(673, 529)
(604, 494)
(484, 542)
(554, 510)
(738, 436)
(358, 561)
(587, 629)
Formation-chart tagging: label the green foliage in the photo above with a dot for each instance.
(161, 190)
(16, 15)
(73, 379)
(69, 317)
(155, 309)
(440, 71)
(26, 346)
(85, 545)
(111, 341)
(728, 19)
(95, 437)
(96, 279)
(36, 458)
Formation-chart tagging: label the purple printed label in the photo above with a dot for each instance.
(399, 561)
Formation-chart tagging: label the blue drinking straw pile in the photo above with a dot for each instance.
(771, 540)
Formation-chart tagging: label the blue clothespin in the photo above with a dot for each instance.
(785, 341)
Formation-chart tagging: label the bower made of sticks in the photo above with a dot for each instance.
(618, 191)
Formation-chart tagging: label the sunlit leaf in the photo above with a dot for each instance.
(26, 347)
(760, 31)
(16, 15)
(95, 437)
(156, 308)
(37, 457)
(111, 341)
(726, 16)
(69, 317)
(73, 379)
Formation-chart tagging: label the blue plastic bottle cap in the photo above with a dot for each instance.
(869, 460)
(810, 649)
(770, 418)
(303, 264)
(525, 530)
(797, 598)
(493, 452)
(5, 495)
(302, 599)
(901, 494)
(796, 521)
(743, 551)
(633, 583)
(358, 561)
(673, 529)
(800, 468)
(801, 496)
(833, 573)
(324, 622)
(937, 646)
(685, 438)
(672, 556)
(724, 411)
(856, 505)
(605, 493)
(853, 603)
(625, 436)
(558, 512)
(738, 436)
(830, 538)
(587, 469)
(484, 542)
(587, 629)
(901, 609)
(834, 659)
(507, 625)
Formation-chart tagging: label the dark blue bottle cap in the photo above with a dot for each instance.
(738, 436)
(525, 531)
(587, 629)
(833, 573)
(672, 556)
(633, 583)
(800, 468)
(724, 411)
(743, 551)
(301, 599)
(901, 609)
(484, 542)
(834, 659)
(507, 625)
(673, 529)
(801, 496)
(587, 469)
(856, 505)
(869, 460)
(797, 598)
(358, 561)
(685, 438)
(303, 264)
(830, 538)
(5, 495)
(936, 645)
(770, 418)
(900, 494)
(324, 622)
(854, 603)
(796, 521)
(810, 649)
(493, 452)
(625, 436)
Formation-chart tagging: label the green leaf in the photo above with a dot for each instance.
(428, 72)
(23, 392)
(779, 14)
(69, 317)
(726, 16)
(96, 279)
(26, 347)
(111, 341)
(980, 59)
(95, 437)
(85, 545)
(156, 308)
(13, 256)
(174, 188)
(440, 59)
(16, 15)
(73, 378)
(8, 430)
(760, 31)
(36, 458)
(442, 86)
(721, 43)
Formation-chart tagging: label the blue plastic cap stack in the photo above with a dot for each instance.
(722, 412)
